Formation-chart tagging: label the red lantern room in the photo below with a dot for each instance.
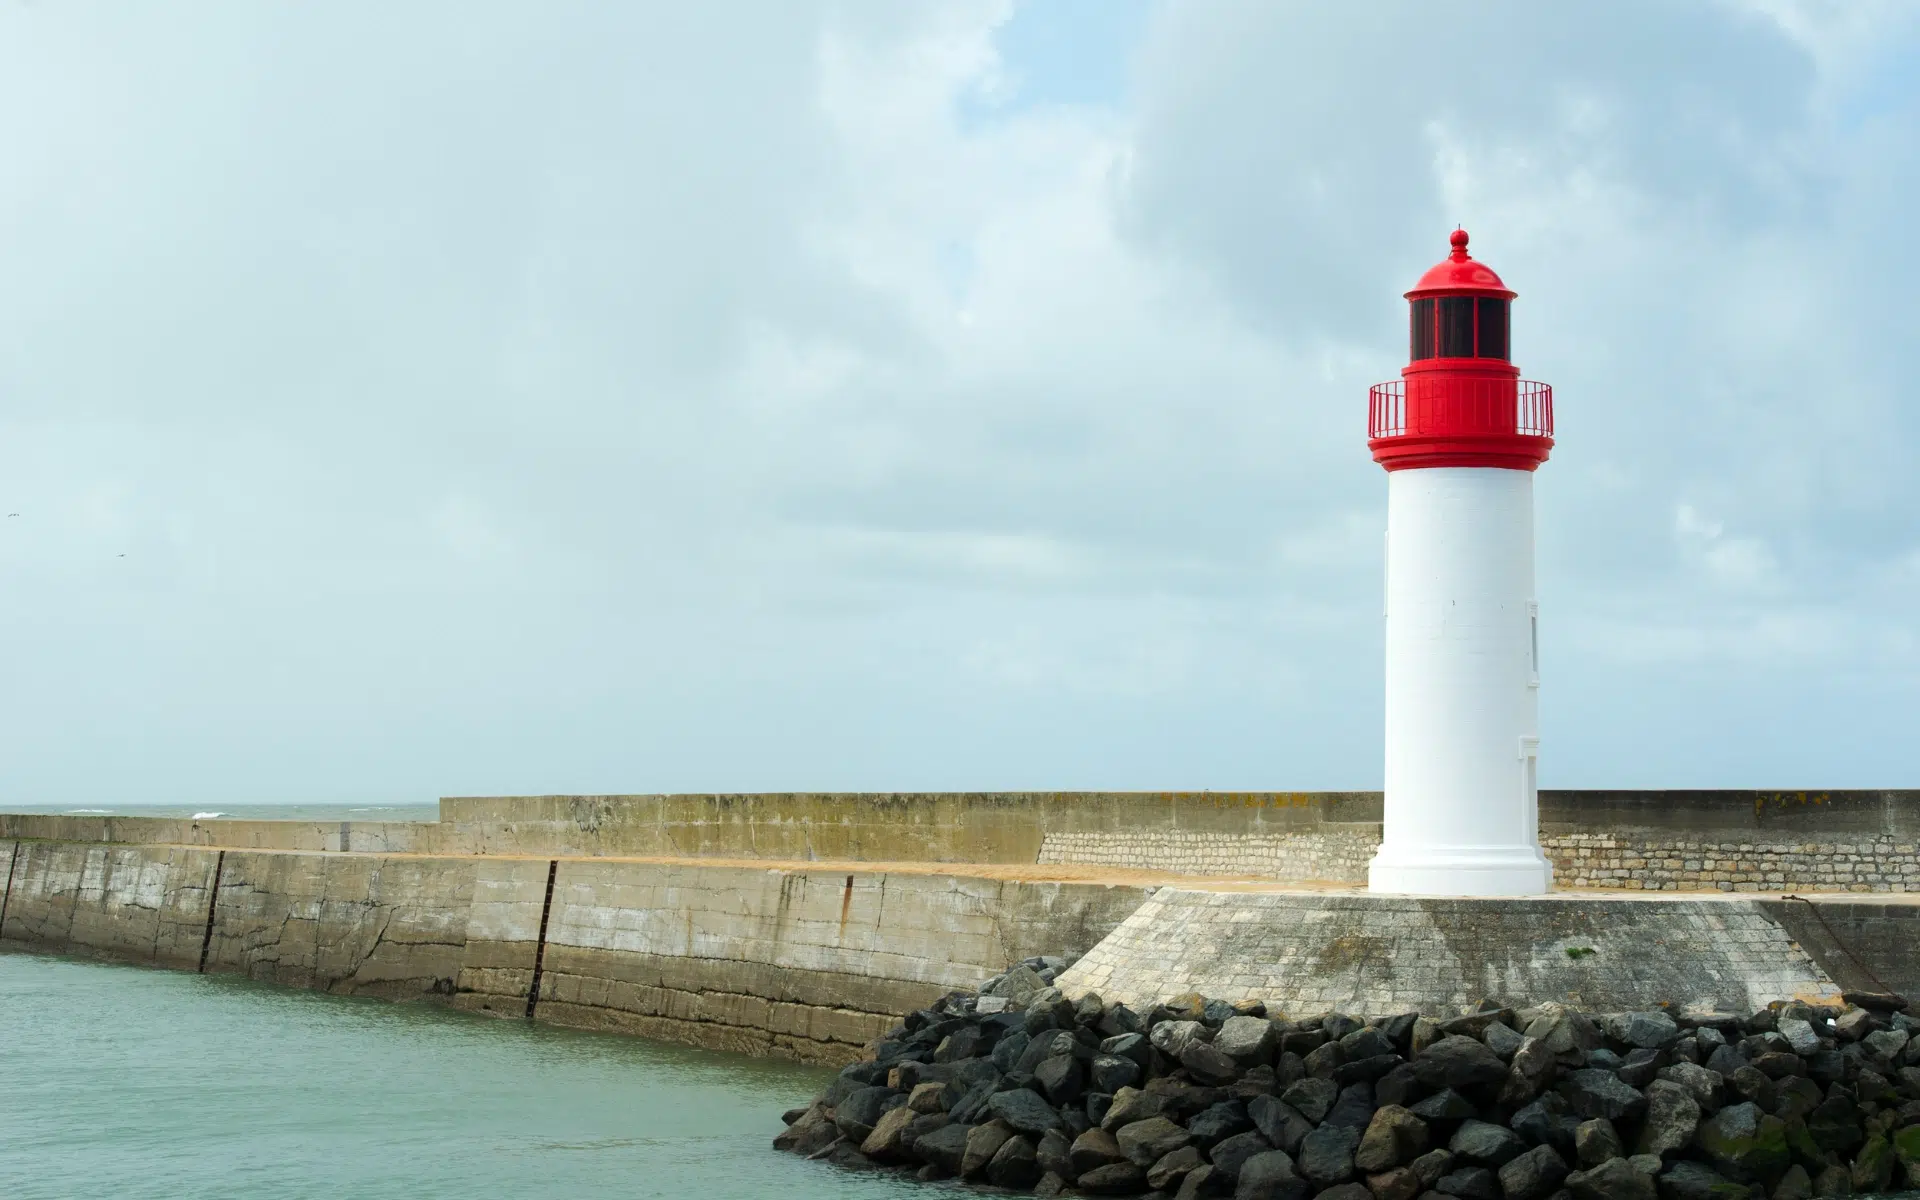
(1460, 401)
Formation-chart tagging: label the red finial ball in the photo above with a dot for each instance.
(1459, 240)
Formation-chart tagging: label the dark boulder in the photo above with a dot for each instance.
(1486, 1143)
(1534, 1175)
(1014, 1165)
(1144, 1142)
(1110, 1072)
(944, 1148)
(1312, 1098)
(1231, 1154)
(1061, 1079)
(1459, 1062)
(1278, 1122)
(1270, 1175)
(1353, 1108)
(1326, 1154)
(1469, 1183)
(1094, 1148)
(1054, 1154)
(1208, 1065)
(1026, 1111)
(1614, 1179)
(1595, 1093)
(1596, 1141)
(1173, 1167)
(1444, 1105)
(1745, 1144)
(860, 1112)
(983, 1142)
(1688, 1180)
(1219, 1121)
(1393, 1137)
(1114, 1179)
(1673, 1116)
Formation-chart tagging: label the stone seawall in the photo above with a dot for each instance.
(808, 965)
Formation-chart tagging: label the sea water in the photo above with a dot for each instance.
(122, 1081)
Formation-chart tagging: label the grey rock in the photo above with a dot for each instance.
(1230, 1155)
(983, 1142)
(1444, 1105)
(1485, 1143)
(1027, 1112)
(1270, 1175)
(1833, 1181)
(1114, 1179)
(1171, 1038)
(1014, 1165)
(1469, 1183)
(1744, 1144)
(1323, 1062)
(1353, 1108)
(1835, 1123)
(1596, 1141)
(1051, 1184)
(1596, 1093)
(860, 1112)
(1133, 1047)
(1054, 1154)
(1400, 1183)
(1398, 1086)
(1530, 1069)
(1432, 1165)
(1458, 1062)
(1708, 1088)
(1173, 1167)
(1278, 1122)
(944, 1147)
(1394, 1136)
(1873, 1165)
(1726, 1060)
(1198, 1182)
(1094, 1148)
(1646, 1164)
(1246, 1040)
(1802, 1038)
(1673, 1116)
(1326, 1155)
(1645, 1030)
(1208, 1065)
(1061, 1079)
(1146, 1142)
(1613, 1179)
(1218, 1121)
(1502, 1040)
(1688, 1180)
(1130, 1105)
(1110, 1072)
(1367, 1043)
(1018, 986)
(1009, 1050)
(1547, 1120)
(884, 1142)
(1312, 1098)
(1348, 1191)
(1641, 1066)
(1567, 1035)
(1534, 1175)
(1796, 1184)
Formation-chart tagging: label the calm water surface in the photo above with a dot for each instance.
(120, 1081)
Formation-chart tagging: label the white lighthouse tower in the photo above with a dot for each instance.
(1460, 435)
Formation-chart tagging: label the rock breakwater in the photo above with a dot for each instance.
(1018, 1088)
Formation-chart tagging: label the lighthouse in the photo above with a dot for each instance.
(1460, 435)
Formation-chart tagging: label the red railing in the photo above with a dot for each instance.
(1452, 406)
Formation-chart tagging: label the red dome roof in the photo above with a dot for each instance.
(1460, 275)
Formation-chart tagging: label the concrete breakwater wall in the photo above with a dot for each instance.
(807, 965)
(1866, 841)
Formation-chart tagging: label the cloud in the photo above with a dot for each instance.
(867, 395)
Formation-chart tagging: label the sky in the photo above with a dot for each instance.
(444, 399)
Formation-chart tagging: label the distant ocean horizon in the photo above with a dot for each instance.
(208, 811)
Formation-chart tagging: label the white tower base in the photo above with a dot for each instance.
(1462, 807)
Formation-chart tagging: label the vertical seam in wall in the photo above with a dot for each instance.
(13, 860)
(213, 898)
(540, 947)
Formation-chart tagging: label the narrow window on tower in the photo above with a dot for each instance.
(1456, 327)
(1422, 332)
(1533, 643)
(1493, 328)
